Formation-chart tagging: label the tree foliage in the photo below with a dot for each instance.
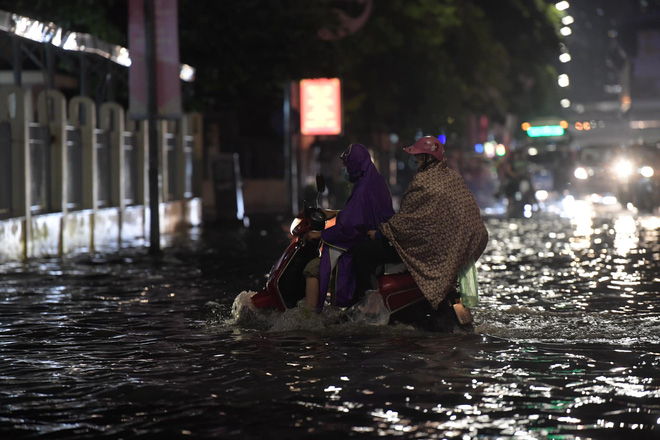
(105, 19)
(420, 64)
(414, 64)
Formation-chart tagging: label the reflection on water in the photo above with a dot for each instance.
(593, 281)
(120, 346)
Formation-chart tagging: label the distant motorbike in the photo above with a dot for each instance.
(523, 199)
(398, 294)
(647, 193)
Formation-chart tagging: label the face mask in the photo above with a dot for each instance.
(344, 172)
(412, 163)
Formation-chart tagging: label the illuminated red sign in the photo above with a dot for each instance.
(320, 106)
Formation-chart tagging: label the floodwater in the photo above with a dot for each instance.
(117, 345)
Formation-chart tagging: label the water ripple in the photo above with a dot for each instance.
(122, 346)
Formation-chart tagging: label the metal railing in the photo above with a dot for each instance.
(103, 167)
(67, 156)
(39, 141)
(130, 169)
(68, 173)
(5, 170)
(188, 159)
(74, 177)
(172, 160)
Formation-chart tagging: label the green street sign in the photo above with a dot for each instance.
(545, 130)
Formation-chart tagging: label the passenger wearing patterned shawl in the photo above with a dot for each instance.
(369, 205)
(437, 231)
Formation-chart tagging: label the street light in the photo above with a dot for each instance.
(562, 6)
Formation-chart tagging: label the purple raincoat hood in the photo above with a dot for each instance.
(358, 161)
(369, 205)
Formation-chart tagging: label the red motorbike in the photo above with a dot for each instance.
(401, 297)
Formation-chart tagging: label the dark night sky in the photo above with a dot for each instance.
(601, 29)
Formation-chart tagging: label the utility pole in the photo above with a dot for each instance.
(287, 145)
(152, 118)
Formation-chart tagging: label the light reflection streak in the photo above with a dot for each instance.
(625, 238)
(389, 415)
(582, 220)
(650, 223)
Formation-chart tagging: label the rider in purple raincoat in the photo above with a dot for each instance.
(369, 205)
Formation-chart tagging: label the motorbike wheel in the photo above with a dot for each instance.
(423, 316)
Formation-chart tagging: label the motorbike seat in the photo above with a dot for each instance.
(392, 268)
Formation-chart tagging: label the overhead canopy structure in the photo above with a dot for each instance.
(27, 45)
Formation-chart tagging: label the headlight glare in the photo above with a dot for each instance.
(646, 171)
(580, 173)
(623, 169)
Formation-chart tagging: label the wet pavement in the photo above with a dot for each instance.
(119, 345)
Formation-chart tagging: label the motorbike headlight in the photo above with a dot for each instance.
(581, 173)
(646, 171)
(296, 221)
(623, 169)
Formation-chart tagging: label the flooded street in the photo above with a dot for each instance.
(117, 345)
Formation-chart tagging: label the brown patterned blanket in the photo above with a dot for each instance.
(438, 229)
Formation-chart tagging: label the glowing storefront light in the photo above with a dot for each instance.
(320, 106)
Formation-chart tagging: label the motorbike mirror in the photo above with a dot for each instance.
(320, 183)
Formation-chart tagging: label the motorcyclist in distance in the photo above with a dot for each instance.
(513, 172)
(437, 231)
(369, 205)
